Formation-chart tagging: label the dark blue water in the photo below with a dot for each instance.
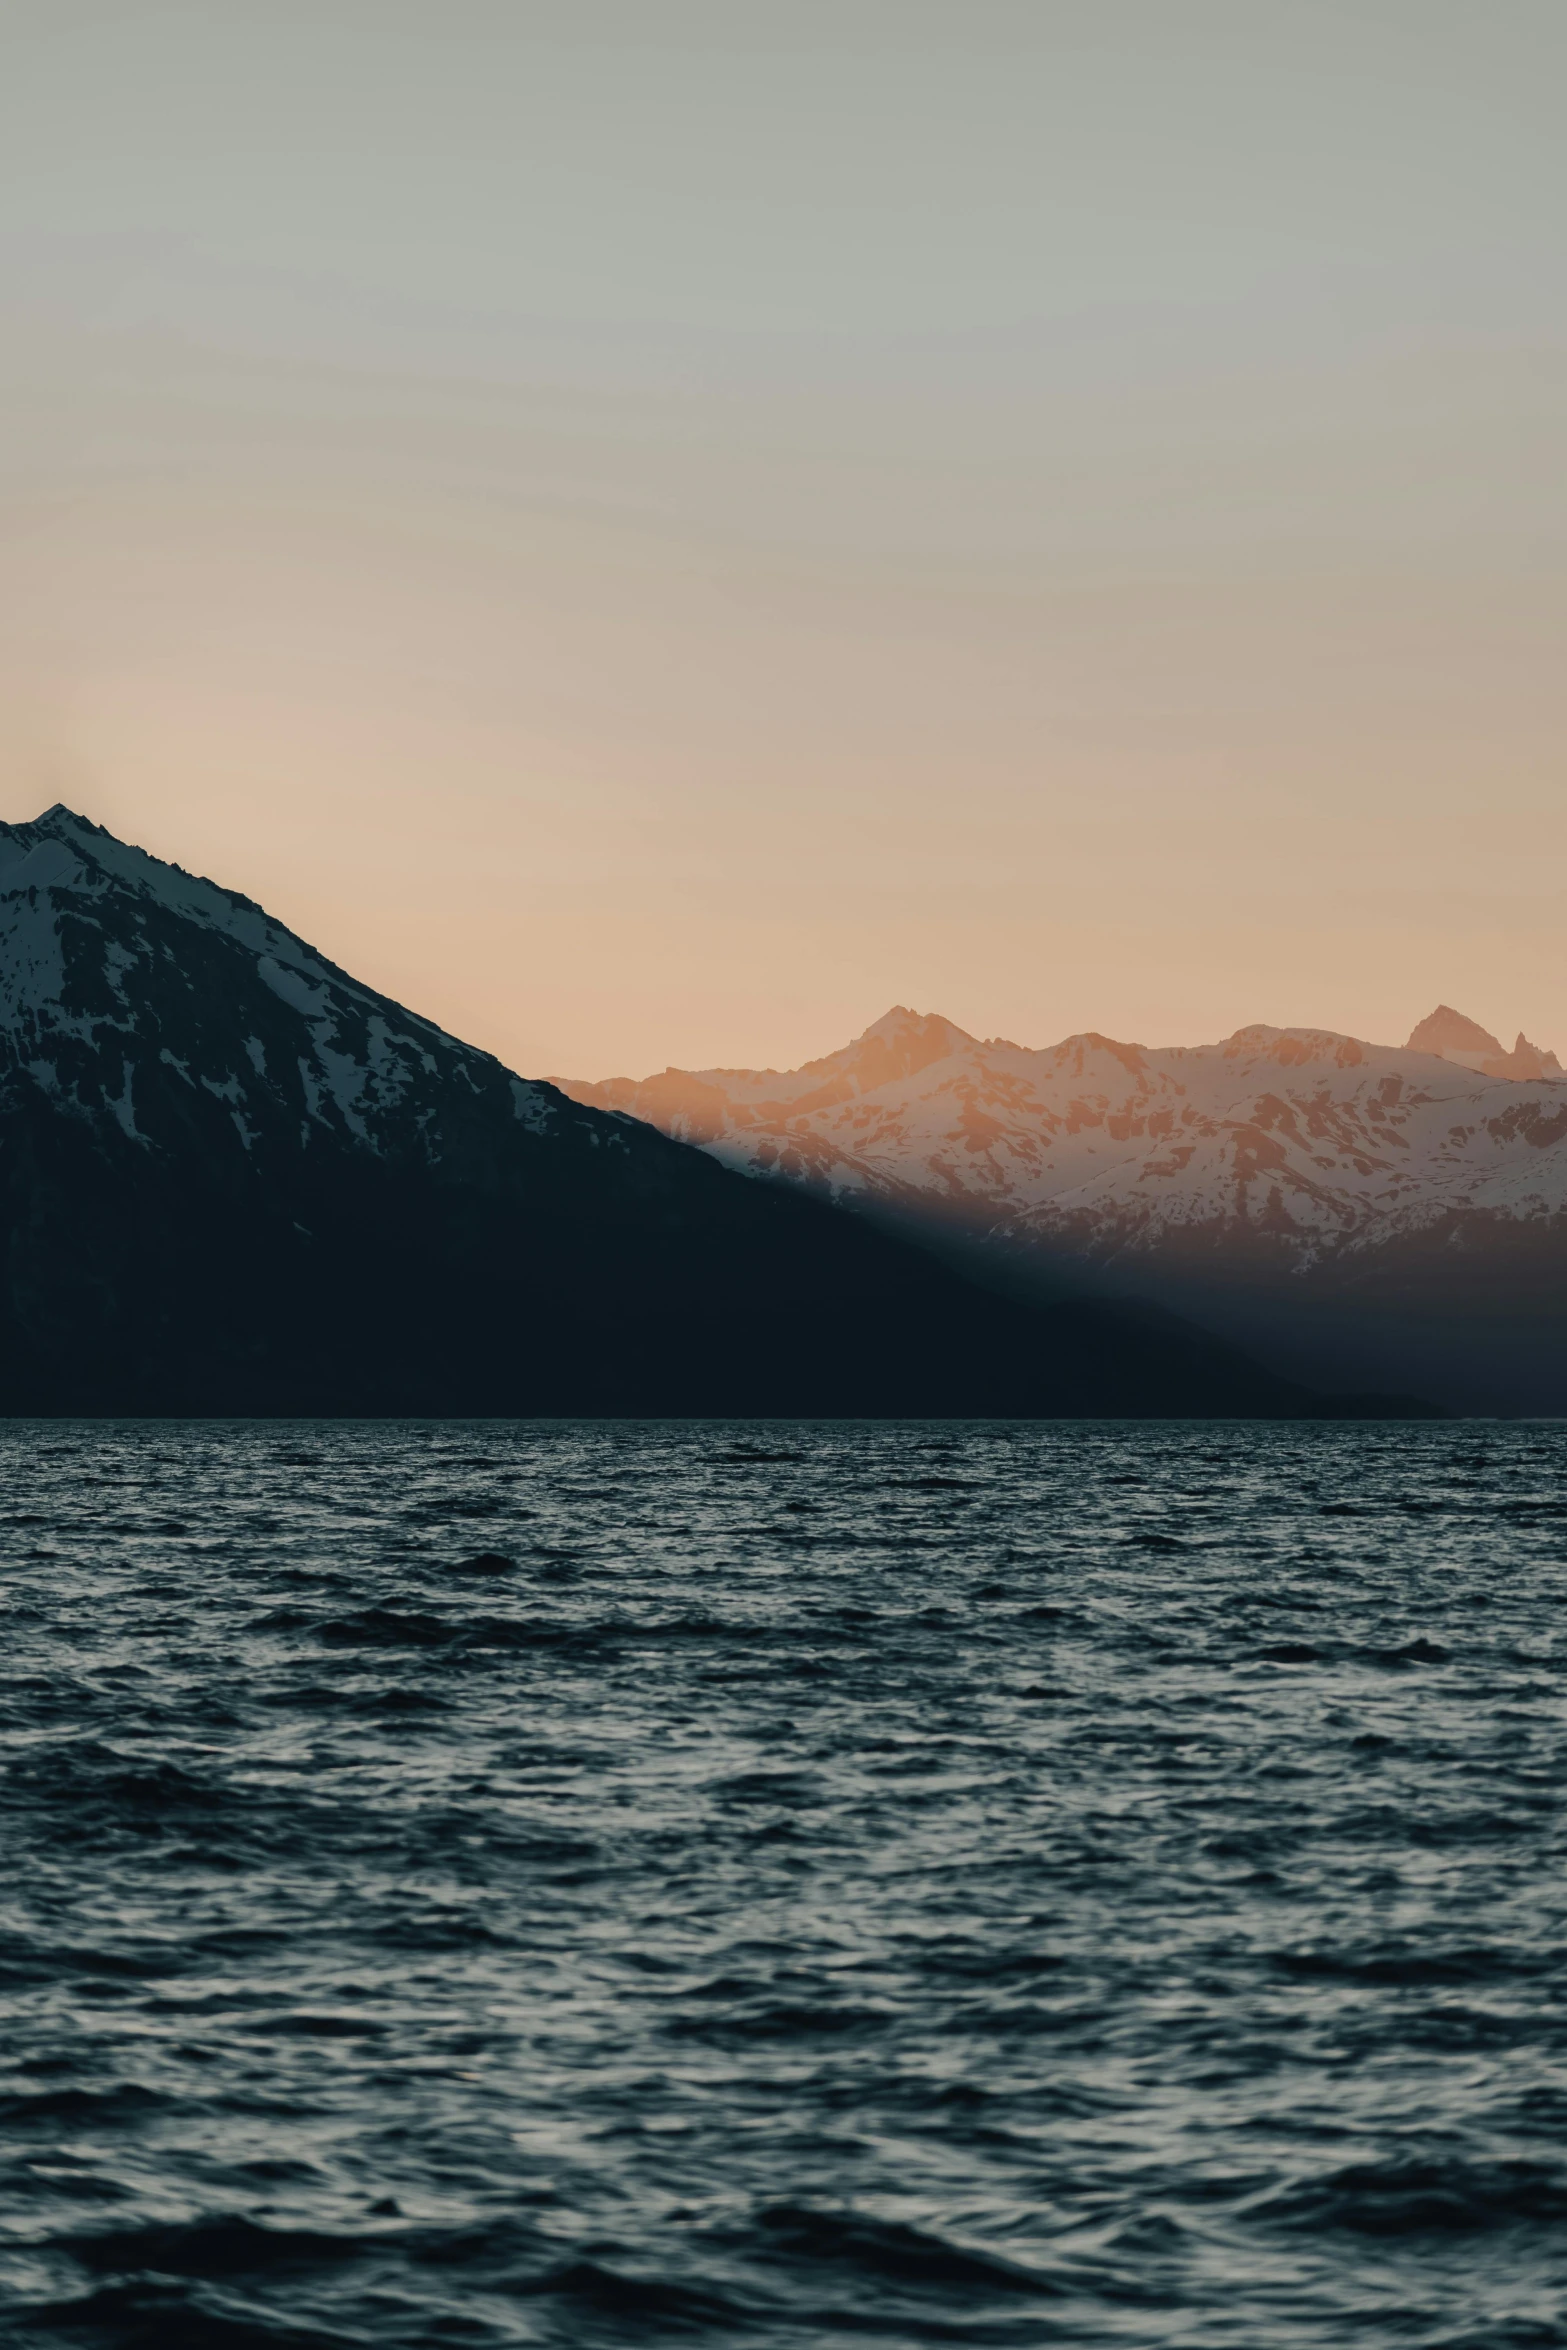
(837, 1885)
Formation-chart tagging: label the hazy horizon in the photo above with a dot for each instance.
(646, 534)
(1503, 1033)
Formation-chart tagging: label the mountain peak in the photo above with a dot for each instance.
(902, 1021)
(1450, 1035)
(1453, 1038)
(900, 1044)
(54, 823)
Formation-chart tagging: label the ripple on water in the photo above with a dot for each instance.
(580, 1884)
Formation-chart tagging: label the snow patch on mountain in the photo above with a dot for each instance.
(103, 968)
(1319, 1143)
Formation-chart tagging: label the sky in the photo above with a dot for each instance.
(652, 530)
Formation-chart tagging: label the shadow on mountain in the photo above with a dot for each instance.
(587, 1270)
(233, 1180)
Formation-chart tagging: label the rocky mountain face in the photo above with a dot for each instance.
(233, 1179)
(1453, 1038)
(1358, 1210)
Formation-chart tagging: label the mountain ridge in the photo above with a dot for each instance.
(235, 1179)
(917, 1107)
(1276, 1164)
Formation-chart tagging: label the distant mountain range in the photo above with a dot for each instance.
(233, 1179)
(1358, 1212)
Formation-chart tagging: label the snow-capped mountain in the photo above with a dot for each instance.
(127, 984)
(1319, 1142)
(1279, 1160)
(233, 1178)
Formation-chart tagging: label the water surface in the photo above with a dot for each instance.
(823, 1885)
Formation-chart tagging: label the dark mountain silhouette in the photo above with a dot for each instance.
(234, 1180)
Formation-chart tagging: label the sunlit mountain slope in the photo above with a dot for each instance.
(1279, 1166)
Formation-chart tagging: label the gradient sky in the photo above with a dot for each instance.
(653, 530)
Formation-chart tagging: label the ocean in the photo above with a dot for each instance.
(814, 1884)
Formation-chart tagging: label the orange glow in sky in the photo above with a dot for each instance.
(652, 550)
